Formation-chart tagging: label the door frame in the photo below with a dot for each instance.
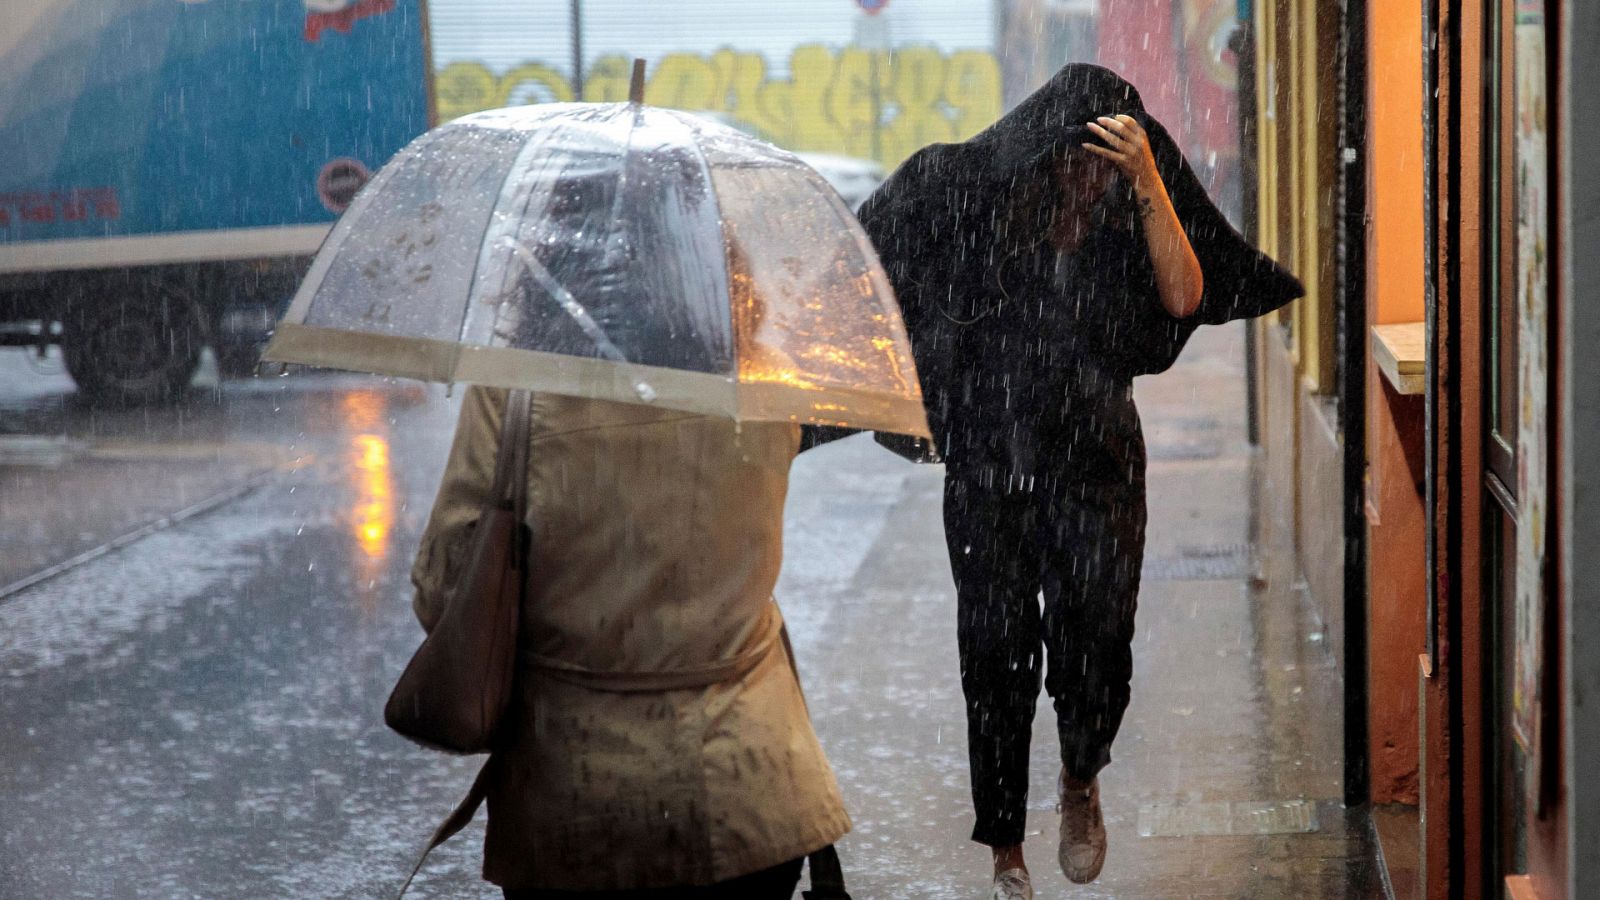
(1350, 284)
(1452, 685)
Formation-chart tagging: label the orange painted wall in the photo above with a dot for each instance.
(1397, 576)
(1395, 162)
(1397, 579)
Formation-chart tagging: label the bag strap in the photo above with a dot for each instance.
(453, 823)
(511, 457)
(510, 488)
(827, 876)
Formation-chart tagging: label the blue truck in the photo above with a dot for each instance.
(168, 168)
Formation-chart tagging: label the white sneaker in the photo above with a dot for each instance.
(1083, 832)
(1012, 884)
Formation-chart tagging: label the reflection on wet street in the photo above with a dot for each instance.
(372, 486)
(197, 713)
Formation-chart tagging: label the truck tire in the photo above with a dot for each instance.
(133, 348)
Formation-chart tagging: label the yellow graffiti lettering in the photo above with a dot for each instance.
(464, 87)
(973, 91)
(855, 101)
(870, 104)
(533, 83)
(811, 72)
(682, 81)
(608, 79)
(740, 77)
(917, 90)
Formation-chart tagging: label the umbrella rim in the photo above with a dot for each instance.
(705, 393)
(715, 393)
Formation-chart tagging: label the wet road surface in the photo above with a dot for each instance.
(198, 713)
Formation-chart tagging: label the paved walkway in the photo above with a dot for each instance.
(217, 686)
(1226, 779)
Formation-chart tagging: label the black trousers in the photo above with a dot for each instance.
(776, 883)
(1081, 545)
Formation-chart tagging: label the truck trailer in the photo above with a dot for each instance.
(168, 168)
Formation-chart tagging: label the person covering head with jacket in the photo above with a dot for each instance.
(657, 744)
(1041, 266)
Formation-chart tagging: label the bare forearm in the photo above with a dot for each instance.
(1179, 281)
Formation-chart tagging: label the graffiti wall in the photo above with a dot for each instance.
(881, 105)
(941, 79)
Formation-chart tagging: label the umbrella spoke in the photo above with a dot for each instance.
(569, 303)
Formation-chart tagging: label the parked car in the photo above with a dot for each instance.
(854, 178)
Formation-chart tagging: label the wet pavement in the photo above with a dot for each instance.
(77, 481)
(1226, 777)
(197, 713)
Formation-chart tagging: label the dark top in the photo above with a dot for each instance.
(1013, 338)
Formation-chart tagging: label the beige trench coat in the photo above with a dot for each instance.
(660, 737)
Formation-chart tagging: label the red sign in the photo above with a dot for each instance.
(1175, 53)
(342, 15)
(339, 181)
(70, 205)
(872, 7)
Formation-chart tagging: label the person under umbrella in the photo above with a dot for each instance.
(659, 745)
(673, 300)
(1041, 266)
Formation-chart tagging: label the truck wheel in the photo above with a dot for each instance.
(133, 349)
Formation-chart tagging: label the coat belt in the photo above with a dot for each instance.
(628, 682)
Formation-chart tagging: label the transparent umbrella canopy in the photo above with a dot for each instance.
(613, 251)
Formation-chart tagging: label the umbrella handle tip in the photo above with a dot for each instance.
(636, 85)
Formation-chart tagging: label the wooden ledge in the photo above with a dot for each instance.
(1520, 887)
(1401, 352)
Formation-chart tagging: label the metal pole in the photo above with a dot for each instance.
(577, 49)
(877, 106)
(872, 38)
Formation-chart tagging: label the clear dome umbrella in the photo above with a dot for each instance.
(613, 251)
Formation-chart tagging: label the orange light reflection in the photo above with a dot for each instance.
(372, 510)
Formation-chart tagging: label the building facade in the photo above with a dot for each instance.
(1426, 413)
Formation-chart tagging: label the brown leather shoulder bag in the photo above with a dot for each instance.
(457, 687)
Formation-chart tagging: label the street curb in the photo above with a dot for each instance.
(161, 524)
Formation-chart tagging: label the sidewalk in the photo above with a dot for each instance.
(265, 635)
(1226, 775)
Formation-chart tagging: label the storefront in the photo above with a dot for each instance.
(1494, 727)
(1475, 293)
(1301, 205)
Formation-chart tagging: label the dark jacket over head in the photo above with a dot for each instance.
(1005, 329)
